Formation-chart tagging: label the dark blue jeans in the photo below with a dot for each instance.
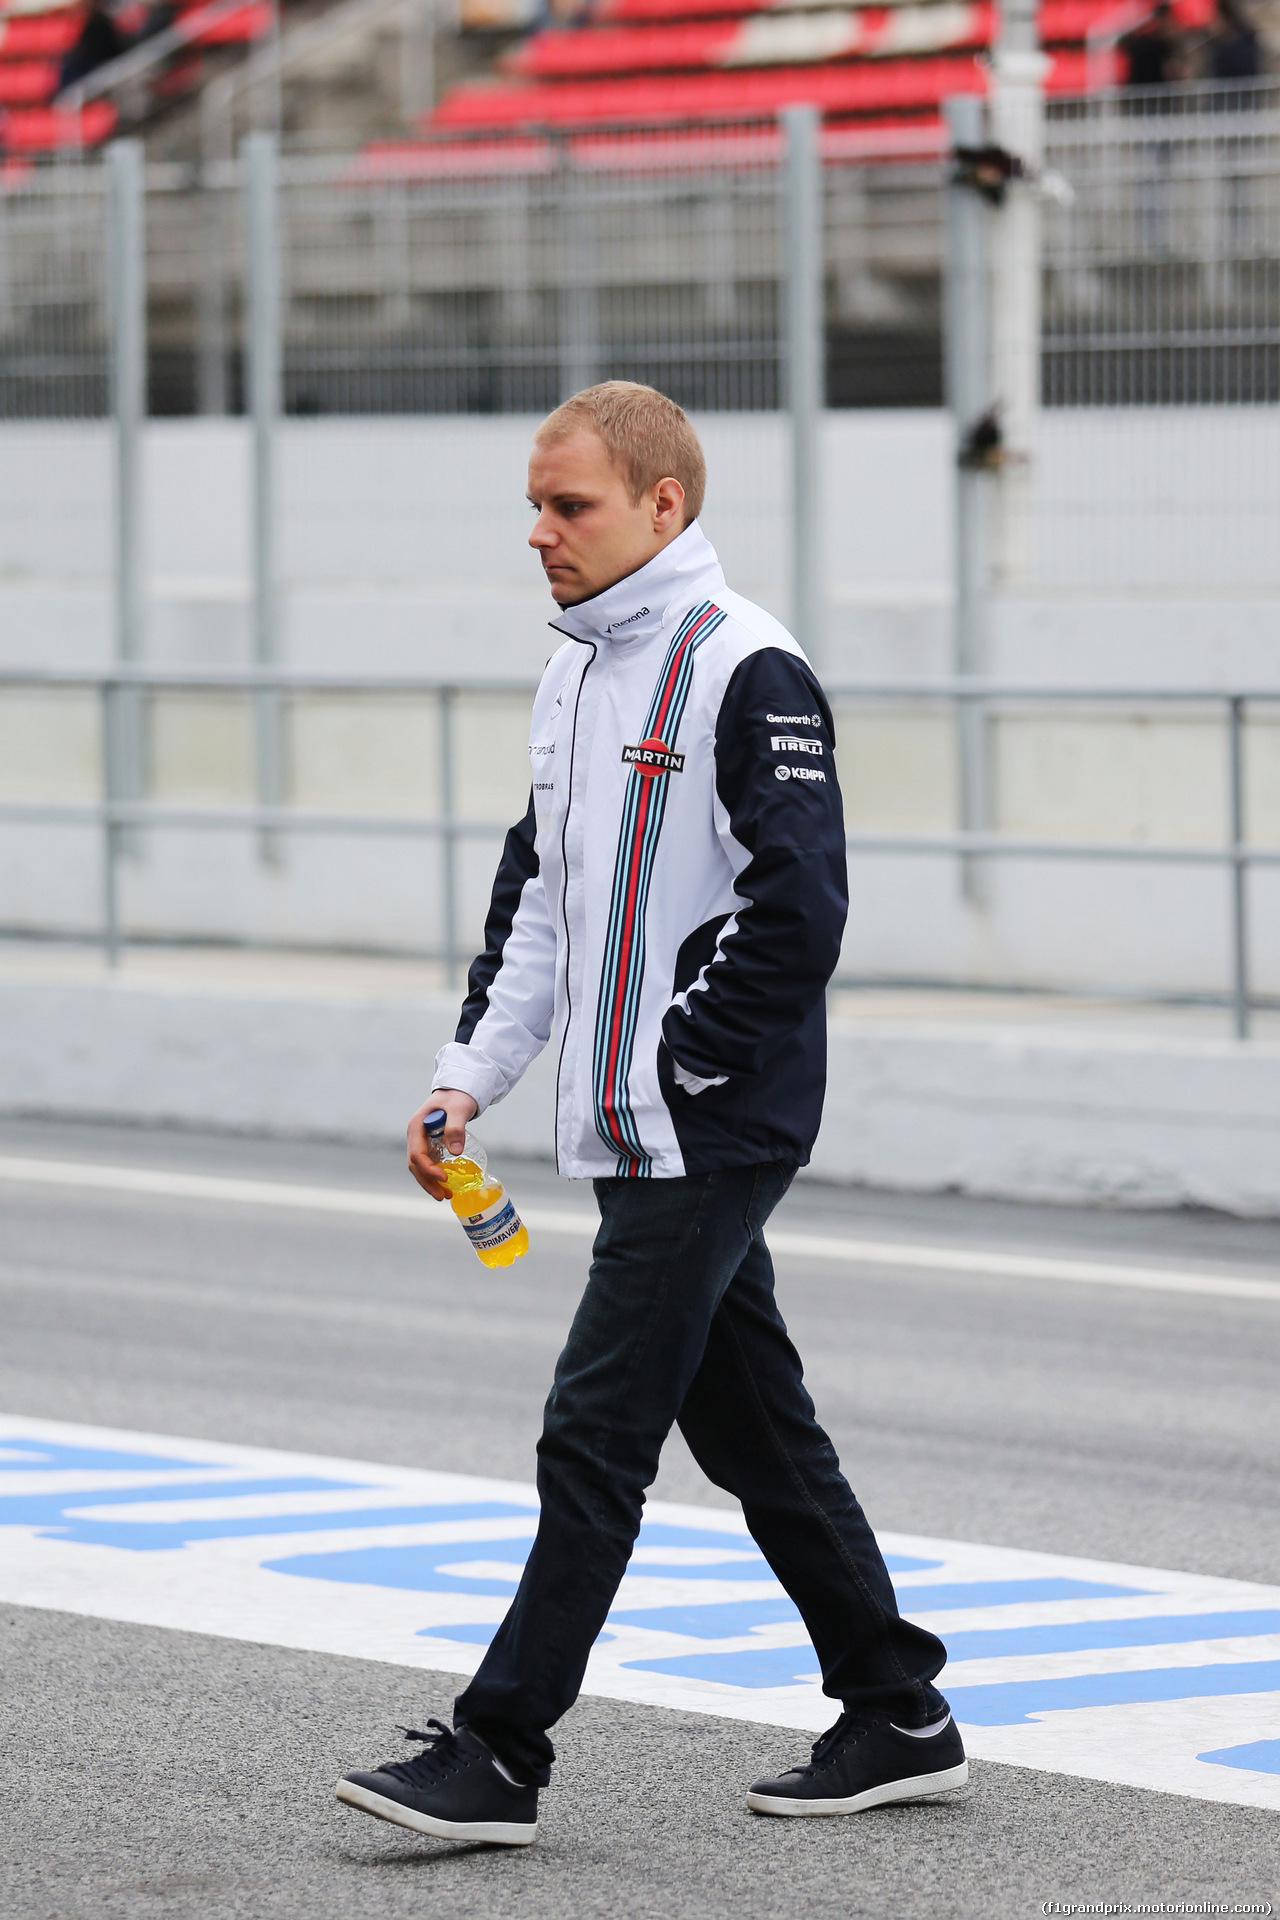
(679, 1324)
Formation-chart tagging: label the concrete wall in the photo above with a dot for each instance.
(1002, 1111)
(402, 546)
(401, 541)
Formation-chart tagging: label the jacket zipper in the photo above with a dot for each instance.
(564, 885)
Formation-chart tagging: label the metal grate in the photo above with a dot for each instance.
(1162, 273)
(54, 328)
(1159, 457)
(511, 274)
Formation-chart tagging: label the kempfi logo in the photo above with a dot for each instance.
(653, 756)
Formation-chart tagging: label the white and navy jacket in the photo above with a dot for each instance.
(672, 905)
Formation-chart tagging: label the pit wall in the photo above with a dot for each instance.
(999, 1111)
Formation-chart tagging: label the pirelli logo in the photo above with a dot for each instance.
(651, 757)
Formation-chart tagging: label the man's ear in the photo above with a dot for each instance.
(668, 503)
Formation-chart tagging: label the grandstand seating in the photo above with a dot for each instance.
(34, 36)
(650, 61)
(637, 62)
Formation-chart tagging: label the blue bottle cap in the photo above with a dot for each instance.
(434, 1122)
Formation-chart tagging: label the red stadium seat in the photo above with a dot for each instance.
(246, 24)
(654, 61)
(54, 130)
(771, 38)
(873, 87)
(33, 42)
(37, 36)
(25, 83)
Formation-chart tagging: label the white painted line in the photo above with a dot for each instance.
(905, 1256)
(1028, 1266)
(204, 1186)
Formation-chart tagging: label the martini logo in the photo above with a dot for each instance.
(653, 756)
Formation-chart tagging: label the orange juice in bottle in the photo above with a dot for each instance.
(488, 1218)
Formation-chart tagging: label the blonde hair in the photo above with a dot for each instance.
(646, 436)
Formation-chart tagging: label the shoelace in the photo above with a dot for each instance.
(847, 1728)
(441, 1755)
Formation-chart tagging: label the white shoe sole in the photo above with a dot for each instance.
(881, 1796)
(501, 1833)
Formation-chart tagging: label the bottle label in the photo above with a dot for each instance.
(491, 1227)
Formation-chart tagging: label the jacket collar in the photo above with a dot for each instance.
(636, 607)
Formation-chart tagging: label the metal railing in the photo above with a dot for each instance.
(120, 688)
(119, 815)
(1237, 855)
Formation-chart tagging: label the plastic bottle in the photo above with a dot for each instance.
(488, 1218)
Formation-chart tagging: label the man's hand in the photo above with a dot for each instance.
(460, 1108)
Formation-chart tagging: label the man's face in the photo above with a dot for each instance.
(589, 532)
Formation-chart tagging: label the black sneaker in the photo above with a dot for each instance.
(867, 1761)
(454, 1789)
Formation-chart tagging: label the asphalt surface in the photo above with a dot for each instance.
(169, 1774)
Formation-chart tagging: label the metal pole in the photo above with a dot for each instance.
(127, 276)
(211, 356)
(805, 366)
(266, 70)
(417, 60)
(448, 838)
(1017, 125)
(264, 368)
(1239, 871)
(580, 357)
(967, 356)
(127, 289)
(109, 698)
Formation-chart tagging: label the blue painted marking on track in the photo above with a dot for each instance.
(62, 1516)
(757, 1667)
(1003, 1704)
(1011, 1702)
(702, 1654)
(1080, 1636)
(721, 1620)
(19, 1454)
(1258, 1756)
(49, 1512)
(476, 1633)
(727, 1619)
(660, 1533)
(1007, 1593)
(415, 1569)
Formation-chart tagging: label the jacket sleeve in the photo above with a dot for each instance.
(506, 1016)
(780, 800)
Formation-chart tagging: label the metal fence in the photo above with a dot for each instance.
(55, 344)
(1162, 260)
(121, 819)
(1159, 455)
(494, 275)
(493, 290)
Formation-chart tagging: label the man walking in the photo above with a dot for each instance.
(671, 908)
